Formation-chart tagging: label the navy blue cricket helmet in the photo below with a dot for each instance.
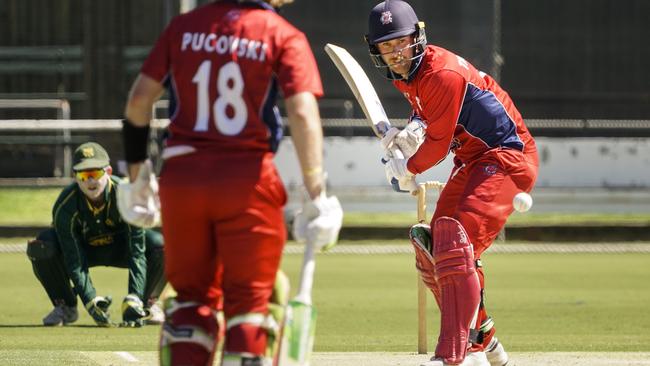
(392, 19)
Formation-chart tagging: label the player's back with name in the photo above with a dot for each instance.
(224, 44)
(226, 62)
(237, 31)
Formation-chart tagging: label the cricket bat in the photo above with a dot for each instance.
(361, 87)
(300, 317)
(366, 96)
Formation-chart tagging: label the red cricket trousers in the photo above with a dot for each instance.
(224, 228)
(479, 195)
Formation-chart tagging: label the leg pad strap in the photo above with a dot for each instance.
(189, 335)
(250, 334)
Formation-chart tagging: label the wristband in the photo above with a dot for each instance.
(313, 171)
(135, 141)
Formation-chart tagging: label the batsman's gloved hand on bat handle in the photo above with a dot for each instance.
(397, 174)
(319, 221)
(138, 201)
(98, 310)
(133, 312)
(407, 140)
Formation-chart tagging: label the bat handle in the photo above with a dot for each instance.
(396, 152)
(307, 274)
(411, 186)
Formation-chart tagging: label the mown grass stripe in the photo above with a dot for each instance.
(537, 247)
(105, 358)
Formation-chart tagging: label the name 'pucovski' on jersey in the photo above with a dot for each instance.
(224, 64)
(223, 44)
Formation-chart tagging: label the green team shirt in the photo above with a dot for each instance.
(90, 237)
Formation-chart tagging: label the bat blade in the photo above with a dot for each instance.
(361, 87)
(367, 97)
(300, 328)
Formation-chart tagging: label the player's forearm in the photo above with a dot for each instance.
(83, 286)
(428, 155)
(144, 93)
(307, 136)
(142, 96)
(137, 113)
(73, 257)
(137, 261)
(137, 276)
(138, 109)
(80, 277)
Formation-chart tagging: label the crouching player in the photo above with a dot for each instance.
(457, 109)
(87, 232)
(221, 197)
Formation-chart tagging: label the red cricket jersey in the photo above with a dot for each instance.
(465, 111)
(223, 64)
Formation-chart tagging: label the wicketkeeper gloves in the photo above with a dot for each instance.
(133, 312)
(98, 310)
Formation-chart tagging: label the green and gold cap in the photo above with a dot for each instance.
(90, 155)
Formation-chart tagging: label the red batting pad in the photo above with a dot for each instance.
(459, 286)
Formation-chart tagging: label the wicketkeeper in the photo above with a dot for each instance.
(461, 110)
(87, 232)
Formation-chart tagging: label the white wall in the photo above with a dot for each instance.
(594, 162)
(564, 162)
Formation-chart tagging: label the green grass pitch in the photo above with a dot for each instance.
(541, 303)
(33, 206)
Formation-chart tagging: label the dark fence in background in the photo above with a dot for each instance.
(578, 58)
(558, 59)
(85, 51)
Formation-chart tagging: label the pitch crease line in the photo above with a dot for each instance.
(127, 356)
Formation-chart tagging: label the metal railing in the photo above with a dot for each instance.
(62, 106)
(58, 131)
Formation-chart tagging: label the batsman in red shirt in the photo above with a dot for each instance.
(461, 110)
(221, 197)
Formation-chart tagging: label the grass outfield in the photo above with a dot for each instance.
(107, 358)
(367, 303)
(33, 206)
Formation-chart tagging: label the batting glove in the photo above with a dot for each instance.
(407, 140)
(138, 201)
(398, 175)
(319, 222)
(98, 310)
(133, 312)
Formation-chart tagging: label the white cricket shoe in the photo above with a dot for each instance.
(472, 359)
(61, 315)
(156, 315)
(496, 354)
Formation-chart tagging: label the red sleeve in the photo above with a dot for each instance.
(297, 70)
(156, 66)
(441, 97)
